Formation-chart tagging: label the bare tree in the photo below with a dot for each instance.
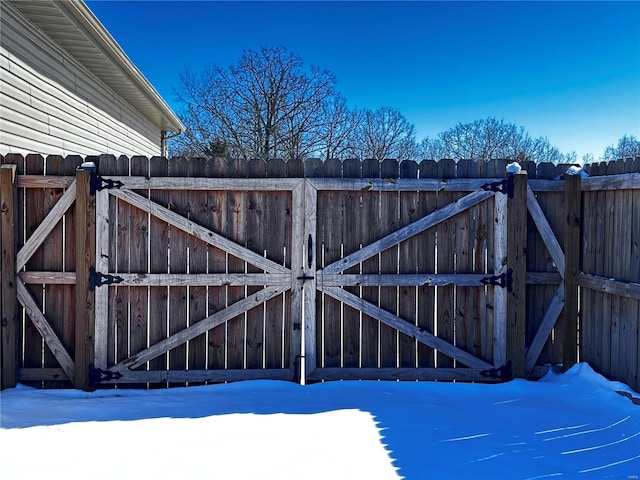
(337, 128)
(628, 147)
(385, 133)
(266, 106)
(432, 149)
(487, 139)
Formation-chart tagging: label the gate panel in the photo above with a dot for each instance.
(215, 251)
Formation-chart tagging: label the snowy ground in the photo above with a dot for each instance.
(571, 426)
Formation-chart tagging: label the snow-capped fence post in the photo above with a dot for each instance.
(9, 300)
(572, 202)
(517, 263)
(85, 237)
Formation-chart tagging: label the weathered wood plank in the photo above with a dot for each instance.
(201, 376)
(300, 268)
(426, 264)
(39, 181)
(179, 244)
(445, 258)
(405, 279)
(408, 257)
(309, 287)
(394, 184)
(102, 265)
(500, 294)
(40, 234)
(233, 184)
(175, 279)
(217, 295)
(32, 204)
(612, 182)
(198, 328)
(404, 374)
(85, 235)
(389, 222)
(572, 240)
(370, 216)
(158, 264)
(138, 252)
(278, 323)
(199, 232)
(408, 231)
(236, 231)
(8, 307)
(405, 327)
(609, 285)
(546, 233)
(350, 345)
(330, 213)
(41, 324)
(516, 261)
(61, 316)
(198, 264)
(41, 375)
(548, 322)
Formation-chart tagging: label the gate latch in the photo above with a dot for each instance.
(97, 279)
(503, 186)
(503, 280)
(504, 372)
(97, 375)
(98, 182)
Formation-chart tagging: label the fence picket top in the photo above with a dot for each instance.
(312, 168)
(295, 168)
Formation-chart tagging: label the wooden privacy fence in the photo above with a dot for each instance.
(185, 271)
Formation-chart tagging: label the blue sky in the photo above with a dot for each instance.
(569, 71)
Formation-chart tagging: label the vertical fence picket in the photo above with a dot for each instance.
(516, 261)
(330, 215)
(277, 243)
(138, 263)
(9, 332)
(235, 229)
(34, 214)
(367, 223)
(350, 345)
(426, 263)
(446, 238)
(198, 213)
(158, 263)
(178, 263)
(217, 296)
(408, 257)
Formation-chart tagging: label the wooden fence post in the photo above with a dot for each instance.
(8, 301)
(517, 263)
(85, 260)
(572, 202)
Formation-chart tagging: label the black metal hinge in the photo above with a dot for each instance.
(504, 372)
(97, 279)
(503, 186)
(98, 182)
(503, 280)
(97, 375)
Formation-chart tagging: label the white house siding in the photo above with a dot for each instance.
(50, 104)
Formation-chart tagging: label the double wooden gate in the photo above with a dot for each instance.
(195, 277)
